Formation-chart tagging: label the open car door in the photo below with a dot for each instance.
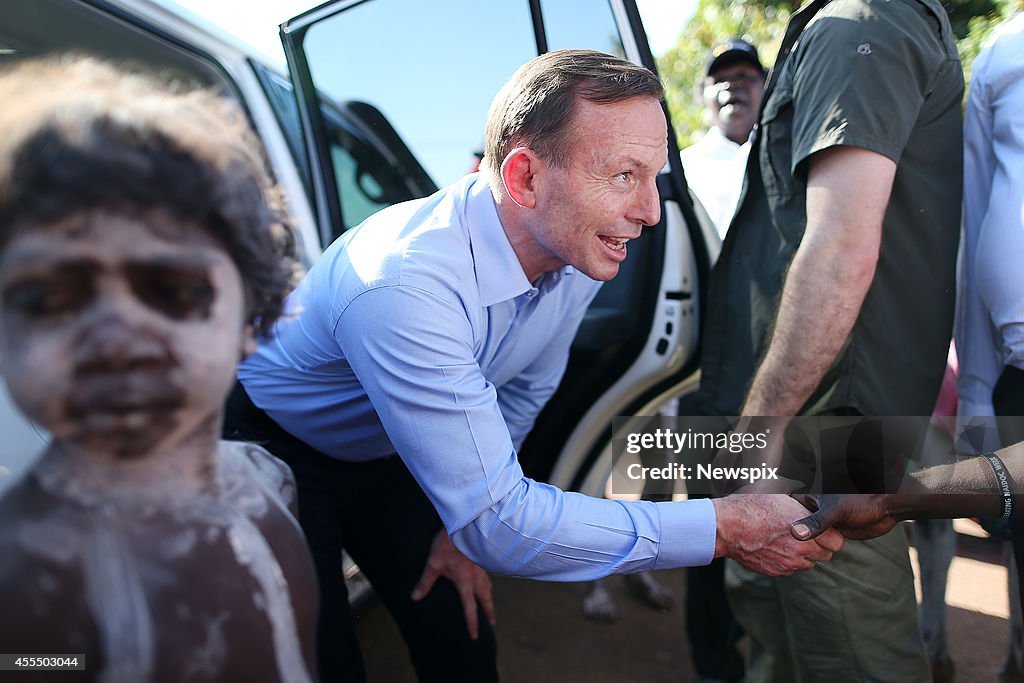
(419, 78)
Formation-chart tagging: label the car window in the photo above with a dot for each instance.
(368, 176)
(430, 69)
(281, 95)
(564, 29)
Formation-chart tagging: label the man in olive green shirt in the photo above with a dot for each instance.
(834, 295)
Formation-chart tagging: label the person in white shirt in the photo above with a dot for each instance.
(715, 165)
(990, 319)
(990, 323)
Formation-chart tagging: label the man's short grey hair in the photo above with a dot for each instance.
(536, 107)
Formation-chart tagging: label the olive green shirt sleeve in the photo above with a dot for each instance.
(861, 78)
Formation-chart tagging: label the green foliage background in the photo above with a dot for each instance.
(762, 22)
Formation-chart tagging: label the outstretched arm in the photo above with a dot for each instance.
(965, 488)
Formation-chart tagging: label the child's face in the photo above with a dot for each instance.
(119, 333)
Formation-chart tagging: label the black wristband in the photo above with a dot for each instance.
(1003, 481)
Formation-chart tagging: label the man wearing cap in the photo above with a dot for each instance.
(833, 295)
(732, 91)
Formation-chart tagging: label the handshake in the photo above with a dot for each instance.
(755, 530)
(775, 534)
(778, 534)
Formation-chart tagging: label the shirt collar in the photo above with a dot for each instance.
(716, 138)
(499, 275)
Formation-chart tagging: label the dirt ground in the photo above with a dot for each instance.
(542, 635)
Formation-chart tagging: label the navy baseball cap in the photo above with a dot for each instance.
(729, 52)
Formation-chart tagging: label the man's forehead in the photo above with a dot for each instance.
(641, 156)
(638, 101)
(642, 115)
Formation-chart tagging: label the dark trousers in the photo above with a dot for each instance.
(1008, 402)
(378, 513)
(711, 627)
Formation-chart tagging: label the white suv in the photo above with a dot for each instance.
(391, 101)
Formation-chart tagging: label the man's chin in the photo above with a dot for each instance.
(603, 273)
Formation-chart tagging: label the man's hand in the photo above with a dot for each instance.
(470, 581)
(754, 530)
(856, 516)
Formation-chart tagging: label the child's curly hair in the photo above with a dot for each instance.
(78, 134)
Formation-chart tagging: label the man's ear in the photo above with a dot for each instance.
(519, 176)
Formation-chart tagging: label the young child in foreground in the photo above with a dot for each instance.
(141, 252)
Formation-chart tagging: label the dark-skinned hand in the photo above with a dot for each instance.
(856, 516)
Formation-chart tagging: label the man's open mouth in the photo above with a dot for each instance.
(726, 99)
(614, 243)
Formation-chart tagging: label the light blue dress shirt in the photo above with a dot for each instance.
(418, 333)
(990, 319)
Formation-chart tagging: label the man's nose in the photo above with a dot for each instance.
(648, 204)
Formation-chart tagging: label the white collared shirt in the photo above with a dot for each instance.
(990, 320)
(714, 169)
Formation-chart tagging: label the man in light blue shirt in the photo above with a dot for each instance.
(436, 331)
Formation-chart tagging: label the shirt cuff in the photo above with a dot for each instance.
(687, 534)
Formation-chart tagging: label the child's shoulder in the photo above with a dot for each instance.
(27, 510)
(242, 459)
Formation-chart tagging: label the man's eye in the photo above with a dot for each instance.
(625, 176)
(41, 299)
